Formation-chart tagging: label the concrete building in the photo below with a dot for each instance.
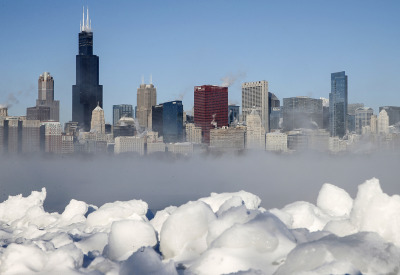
(297, 140)
(255, 95)
(351, 116)
(193, 133)
(337, 145)
(146, 98)
(210, 108)
(383, 122)
(338, 99)
(98, 123)
(41, 113)
(181, 148)
(363, 118)
(302, 112)
(51, 135)
(67, 144)
(255, 133)
(46, 96)
(276, 141)
(125, 144)
(12, 135)
(30, 136)
(227, 138)
(154, 147)
(317, 140)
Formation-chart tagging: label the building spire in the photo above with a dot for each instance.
(86, 25)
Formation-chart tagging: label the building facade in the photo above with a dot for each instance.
(173, 121)
(276, 141)
(255, 132)
(363, 118)
(302, 112)
(146, 98)
(98, 123)
(393, 112)
(121, 111)
(193, 133)
(228, 138)
(338, 100)
(255, 95)
(210, 108)
(86, 93)
(383, 123)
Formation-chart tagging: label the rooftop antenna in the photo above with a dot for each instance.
(151, 79)
(142, 79)
(83, 19)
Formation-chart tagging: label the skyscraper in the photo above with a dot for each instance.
(146, 98)
(87, 92)
(98, 123)
(233, 114)
(210, 108)
(46, 107)
(255, 95)
(173, 121)
(338, 104)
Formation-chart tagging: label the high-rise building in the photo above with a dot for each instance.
(51, 141)
(173, 121)
(125, 127)
(255, 95)
(46, 96)
(193, 133)
(255, 134)
(210, 108)
(233, 114)
(157, 119)
(86, 93)
(275, 118)
(393, 112)
(121, 111)
(30, 136)
(363, 118)
(98, 123)
(302, 112)
(338, 105)
(146, 98)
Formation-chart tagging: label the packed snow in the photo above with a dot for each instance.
(227, 233)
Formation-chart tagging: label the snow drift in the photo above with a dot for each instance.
(221, 234)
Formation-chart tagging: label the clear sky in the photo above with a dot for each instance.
(294, 45)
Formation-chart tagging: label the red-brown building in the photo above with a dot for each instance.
(210, 108)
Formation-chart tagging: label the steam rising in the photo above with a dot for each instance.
(231, 78)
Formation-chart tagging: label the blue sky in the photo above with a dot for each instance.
(294, 45)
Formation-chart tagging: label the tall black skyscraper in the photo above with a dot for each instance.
(87, 92)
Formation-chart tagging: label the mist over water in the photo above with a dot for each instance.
(277, 179)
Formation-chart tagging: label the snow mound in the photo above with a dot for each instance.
(227, 233)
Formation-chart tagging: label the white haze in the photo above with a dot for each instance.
(276, 179)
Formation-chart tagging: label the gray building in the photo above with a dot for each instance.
(393, 113)
(255, 95)
(146, 98)
(302, 112)
(363, 118)
(46, 107)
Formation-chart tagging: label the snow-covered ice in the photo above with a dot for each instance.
(226, 233)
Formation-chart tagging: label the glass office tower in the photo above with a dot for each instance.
(338, 105)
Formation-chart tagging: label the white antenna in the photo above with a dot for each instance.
(151, 79)
(87, 18)
(83, 19)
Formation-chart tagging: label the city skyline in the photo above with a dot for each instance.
(296, 49)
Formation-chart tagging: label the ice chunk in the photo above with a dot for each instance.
(147, 261)
(128, 236)
(215, 201)
(119, 210)
(184, 232)
(334, 200)
(160, 217)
